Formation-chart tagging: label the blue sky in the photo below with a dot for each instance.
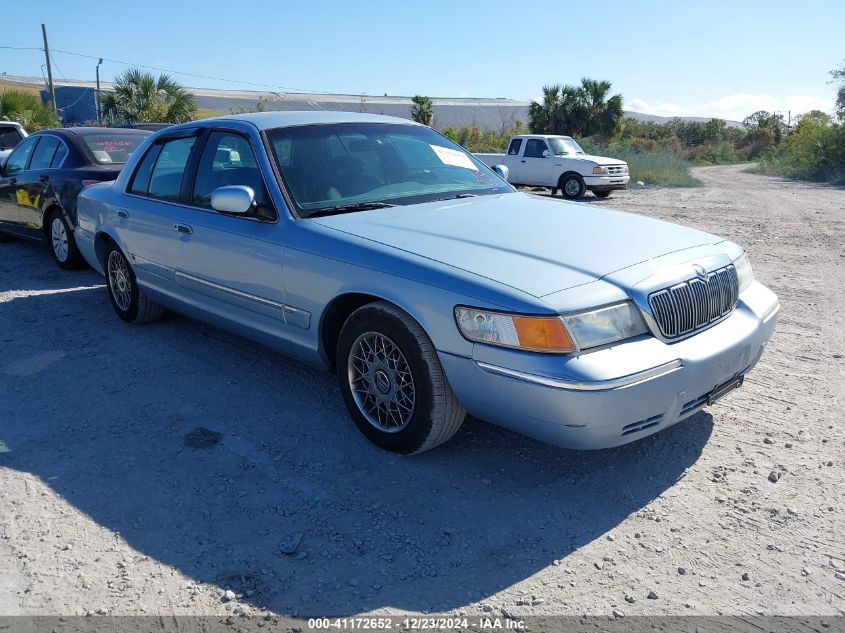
(688, 58)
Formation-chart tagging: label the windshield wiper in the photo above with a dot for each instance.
(350, 208)
(460, 195)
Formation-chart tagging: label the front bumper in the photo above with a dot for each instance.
(617, 394)
(606, 183)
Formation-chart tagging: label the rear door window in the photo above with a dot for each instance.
(161, 171)
(166, 179)
(513, 150)
(141, 179)
(42, 157)
(59, 156)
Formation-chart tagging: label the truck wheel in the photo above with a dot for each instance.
(392, 382)
(601, 194)
(572, 186)
(129, 301)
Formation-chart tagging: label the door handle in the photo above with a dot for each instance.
(122, 214)
(43, 178)
(522, 161)
(183, 228)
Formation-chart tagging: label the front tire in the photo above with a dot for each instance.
(129, 301)
(572, 186)
(392, 382)
(62, 245)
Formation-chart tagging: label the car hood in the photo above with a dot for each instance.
(599, 160)
(534, 244)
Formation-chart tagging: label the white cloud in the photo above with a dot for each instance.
(659, 108)
(735, 107)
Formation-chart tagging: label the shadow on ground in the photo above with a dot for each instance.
(209, 453)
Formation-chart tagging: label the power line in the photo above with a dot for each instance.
(187, 74)
(164, 70)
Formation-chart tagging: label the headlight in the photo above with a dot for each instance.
(599, 170)
(538, 334)
(743, 271)
(605, 325)
(552, 334)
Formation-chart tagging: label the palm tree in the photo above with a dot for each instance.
(543, 115)
(140, 97)
(603, 114)
(26, 108)
(422, 111)
(578, 111)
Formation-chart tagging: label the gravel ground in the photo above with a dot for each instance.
(175, 469)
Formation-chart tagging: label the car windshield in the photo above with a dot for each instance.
(356, 166)
(112, 148)
(563, 146)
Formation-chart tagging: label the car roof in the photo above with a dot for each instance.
(268, 120)
(84, 131)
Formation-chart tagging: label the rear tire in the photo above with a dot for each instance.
(572, 186)
(602, 194)
(392, 381)
(130, 302)
(61, 242)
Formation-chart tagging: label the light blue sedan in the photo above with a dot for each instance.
(381, 251)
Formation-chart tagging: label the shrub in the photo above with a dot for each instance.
(814, 150)
(656, 166)
(26, 108)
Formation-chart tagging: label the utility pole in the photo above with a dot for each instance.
(49, 70)
(97, 99)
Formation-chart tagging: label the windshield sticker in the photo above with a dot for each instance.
(453, 157)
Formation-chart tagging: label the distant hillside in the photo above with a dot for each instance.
(639, 116)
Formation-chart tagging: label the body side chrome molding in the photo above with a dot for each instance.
(292, 315)
(599, 385)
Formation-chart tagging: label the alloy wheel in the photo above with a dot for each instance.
(120, 281)
(381, 382)
(58, 236)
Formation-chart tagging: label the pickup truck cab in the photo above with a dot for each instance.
(558, 162)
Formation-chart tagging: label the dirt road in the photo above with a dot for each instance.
(112, 502)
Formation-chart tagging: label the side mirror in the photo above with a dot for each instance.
(546, 153)
(503, 171)
(233, 199)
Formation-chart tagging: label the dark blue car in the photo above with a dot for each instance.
(42, 177)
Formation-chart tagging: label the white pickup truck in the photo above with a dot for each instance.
(559, 162)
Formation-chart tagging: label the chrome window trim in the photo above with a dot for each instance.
(598, 385)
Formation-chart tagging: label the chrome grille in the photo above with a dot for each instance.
(616, 170)
(696, 303)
